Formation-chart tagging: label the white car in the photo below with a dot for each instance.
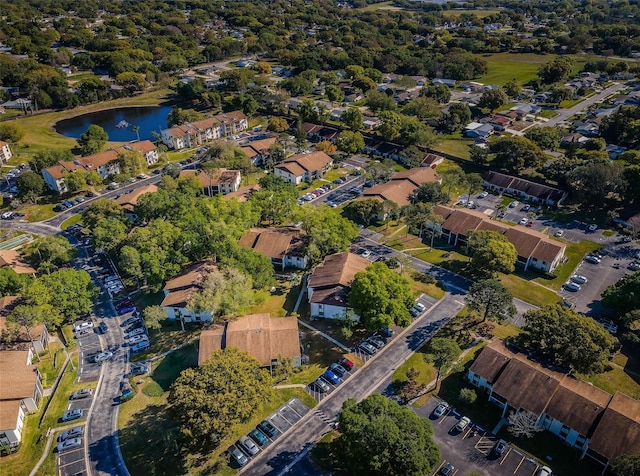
(82, 326)
(138, 339)
(463, 423)
(420, 307)
(544, 471)
(593, 259)
(248, 445)
(523, 221)
(578, 278)
(366, 253)
(69, 444)
(440, 409)
(142, 176)
(592, 227)
(559, 233)
(135, 332)
(483, 194)
(102, 357)
(571, 286)
(514, 204)
(72, 433)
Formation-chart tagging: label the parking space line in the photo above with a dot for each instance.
(70, 463)
(519, 464)
(505, 455)
(440, 466)
(466, 433)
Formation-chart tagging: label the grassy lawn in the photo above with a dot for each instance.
(50, 364)
(38, 129)
(426, 371)
(418, 286)
(457, 148)
(150, 439)
(321, 354)
(614, 380)
(503, 67)
(278, 304)
(39, 212)
(547, 113)
(171, 335)
(529, 291)
(574, 253)
(72, 220)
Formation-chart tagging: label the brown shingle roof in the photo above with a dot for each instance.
(491, 361)
(220, 176)
(178, 297)
(272, 242)
(243, 193)
(578, 405)
(193, 276)
(293, 168)
(618, 432)
(264, 338)
(339, 268)
(397, 191)
(316, 160)
(418, 175)
(17, 379)
(9, 410)
(130, 200)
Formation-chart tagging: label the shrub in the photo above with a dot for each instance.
(468, 395)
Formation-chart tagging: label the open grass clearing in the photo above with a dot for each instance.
(455, 147)
(279, 303)
(170, 336)
(503, 67)
(419, 284)
(39, 212)
(50, 364)
(72, 220)
(615, 380)
(529, 291)
(426, 371)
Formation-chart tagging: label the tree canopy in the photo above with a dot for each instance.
(381, 297)
(491, 252)
(91, 141)
(226, 390)
(491, 299)
(568, 338)
(379, 437)
(623, 296)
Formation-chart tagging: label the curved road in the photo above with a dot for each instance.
(564, 114)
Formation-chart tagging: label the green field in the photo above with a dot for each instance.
(503, 67)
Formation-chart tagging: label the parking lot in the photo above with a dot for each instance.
(318, 394)
(283, 419)
(471, 450)
(71, 462)
(89, 345)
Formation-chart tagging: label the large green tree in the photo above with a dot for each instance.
(71, 292)
(328, 232)
(491, 252)
(493, 99)
(379, 437)
(30, 185)
(623, 296)
(363, 211)
(224, 294)
(49, 249)
(381, 297)
(626, 465)
(91, 141)
(515, 153)
(353, 119)
(491, 299)
(227, 390)
(442, 353)
(568, 338)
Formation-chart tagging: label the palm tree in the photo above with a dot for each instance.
(136, 129)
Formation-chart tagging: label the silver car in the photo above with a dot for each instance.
(69, 444)
(248, 445)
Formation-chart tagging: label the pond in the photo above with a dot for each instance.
(118, 123)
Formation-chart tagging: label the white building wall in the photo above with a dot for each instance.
(187, 315)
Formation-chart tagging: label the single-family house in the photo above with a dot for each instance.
(20, 393)
(477, 129)
(179, 291)
(431, 160)
(499, 122)
(317, 132)
(447, 82)
(371, 122)
(526, 108)
(194, 134)
(330, 283)
(524, 189)
(259, 151)
(472, 86)
(218, 182)
(535, 250)
(304, 167)
(602, 426)
(5, 152)
(285, 247)
(12, 259)
(615, 151)
(571, 139)
(590, 129)
(265, 338)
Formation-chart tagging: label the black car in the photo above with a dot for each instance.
(500, 448)
(129, 321)
(138, 369)
(103, 328)
(265, 426)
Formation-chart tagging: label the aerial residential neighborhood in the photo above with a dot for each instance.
(331, 237)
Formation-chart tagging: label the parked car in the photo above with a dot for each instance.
(571, 286)
(367, 348)
(635, 266)
(346, 363)
(514, 204)
(559, 233)
(330, 377)
(526, 208)
(267, 428)
(447, 469)
(321, 385)
(248, 445)
(462, 423)
(386, 332)
(578, 278)
(138, 339)
(337, 369)
(259, 437)
(483, 194)
(523, 221)
(592, 227)
(238, 455)
(376, 342)
(420, 307)
(140, 347)
(441, 409)
(138, 369)
(135, 332)
(544, 471)
(103, 328)
(414, 312)
(80, 394)
(72, 433)
(128, 321)
(69, 444)
(500, 447)
(72, 414)
(592, 259)
(126, 309)
(83, 325)
(102, 357)
(366, 254)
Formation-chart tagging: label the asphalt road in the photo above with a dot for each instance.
(564, 114)
(293, 447)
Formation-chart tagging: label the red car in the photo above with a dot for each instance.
(346, 363)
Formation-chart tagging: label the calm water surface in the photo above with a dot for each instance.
(118, 123)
